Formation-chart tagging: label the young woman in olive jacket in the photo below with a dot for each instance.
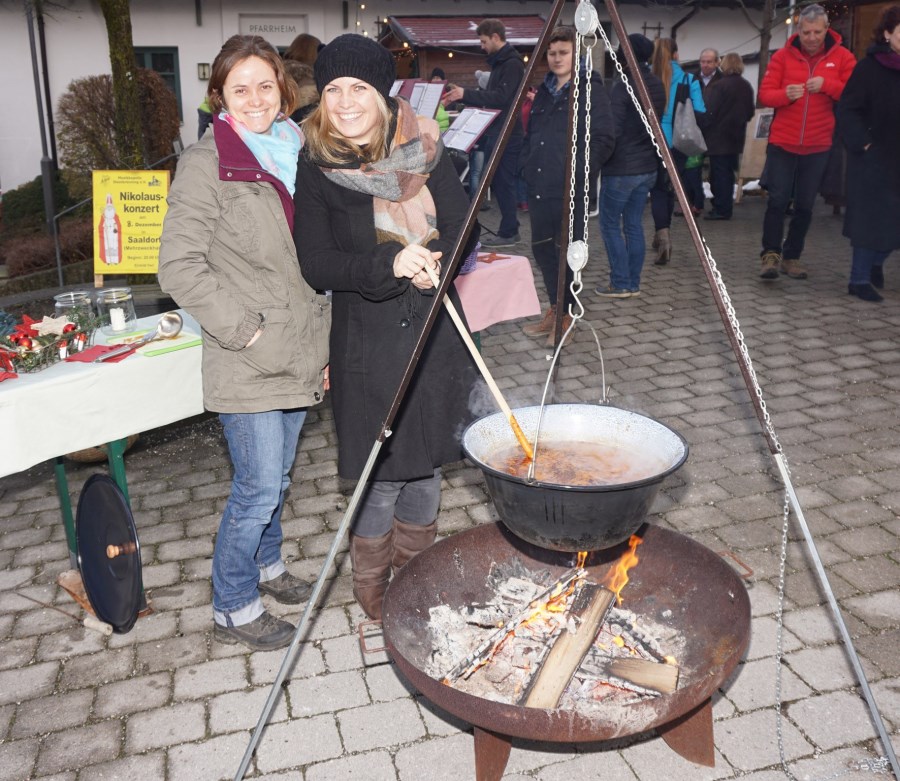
(227, 256)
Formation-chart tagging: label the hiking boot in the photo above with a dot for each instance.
(792, 268)
(286, 588)
(770, 263)
(543, 326)
(263, 633)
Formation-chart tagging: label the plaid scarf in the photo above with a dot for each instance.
(403, 207)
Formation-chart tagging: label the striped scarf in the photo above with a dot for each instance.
(403, 207)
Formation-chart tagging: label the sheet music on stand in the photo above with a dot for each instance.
(426, 97)
(468, 127)
(403, 88)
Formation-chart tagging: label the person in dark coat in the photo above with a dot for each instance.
(627, 177)
(709, 70)
(544, 170)
(868, 117)
(507, 70)
(377, 200)
(729, 107)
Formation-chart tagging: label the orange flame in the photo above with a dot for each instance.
(582, 558)
(616, 580)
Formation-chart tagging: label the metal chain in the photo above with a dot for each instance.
(880, 764)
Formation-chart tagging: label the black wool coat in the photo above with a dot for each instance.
(376, 320)
(634, 152)
(507, 70)
(729, 107)
(547, 143)
(869, 113)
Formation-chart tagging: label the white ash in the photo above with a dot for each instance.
(457, 632)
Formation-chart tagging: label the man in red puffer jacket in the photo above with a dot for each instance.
(802, 83)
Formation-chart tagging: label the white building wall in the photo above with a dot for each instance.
(77, 46)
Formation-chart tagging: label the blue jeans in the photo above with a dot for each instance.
(622, 201)
(786, 175)
(263, 446)
(503, 185)
(863, 262)
(476, 166)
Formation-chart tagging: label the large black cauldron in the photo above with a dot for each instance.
(575, 518)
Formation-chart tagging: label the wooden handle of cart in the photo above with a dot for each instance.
(482, 367)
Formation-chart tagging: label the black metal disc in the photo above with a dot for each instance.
(114, 586)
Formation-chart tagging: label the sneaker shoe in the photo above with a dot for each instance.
(523, 206)
(792, 268)
(286, 588)
(593, 209)
(635, 292)
(717, 216)
(865, 292)
(500, 241)
(877, 277)
(613, 292)
(264, 633)
(770, 263)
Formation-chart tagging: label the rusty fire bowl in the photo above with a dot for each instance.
(677, 580)
(565, 517)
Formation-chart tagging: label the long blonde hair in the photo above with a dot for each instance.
(664, 50)
(327, 145)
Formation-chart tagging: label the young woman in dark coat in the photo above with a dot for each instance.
(377, 200)
(869, 122)
(729, 107)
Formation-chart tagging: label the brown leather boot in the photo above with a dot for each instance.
(370, 558)
(663, 248)
(543, 326)
(567, 321)
(409, 540)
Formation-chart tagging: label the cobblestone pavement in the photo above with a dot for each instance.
(166, 702)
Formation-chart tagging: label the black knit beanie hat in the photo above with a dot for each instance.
(358, 57)
(641, 45)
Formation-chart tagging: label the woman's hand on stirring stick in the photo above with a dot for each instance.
(411, 263)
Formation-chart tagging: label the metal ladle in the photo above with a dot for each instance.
(168, 327)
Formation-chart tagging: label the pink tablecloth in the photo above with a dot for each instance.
(500, 290)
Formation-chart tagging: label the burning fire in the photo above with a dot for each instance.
(616, 580)
(582, 558)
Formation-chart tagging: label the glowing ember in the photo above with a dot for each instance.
(618, 578)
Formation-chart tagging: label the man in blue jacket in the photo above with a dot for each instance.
(507, 69)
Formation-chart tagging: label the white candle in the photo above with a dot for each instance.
(117, 319)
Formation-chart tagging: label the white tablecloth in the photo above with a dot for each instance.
(72, 406)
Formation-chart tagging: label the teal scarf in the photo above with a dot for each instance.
(275, 151)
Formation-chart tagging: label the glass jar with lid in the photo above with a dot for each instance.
(76, 305)
(115, 306)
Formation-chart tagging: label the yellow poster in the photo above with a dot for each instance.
(129, 207)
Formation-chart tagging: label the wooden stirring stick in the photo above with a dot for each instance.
(482, 367)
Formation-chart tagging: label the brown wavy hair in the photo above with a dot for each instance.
(304, 48)
(237, 49)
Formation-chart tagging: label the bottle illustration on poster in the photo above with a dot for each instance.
(110, 234)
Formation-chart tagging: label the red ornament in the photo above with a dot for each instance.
(25, 342)
(68, 328)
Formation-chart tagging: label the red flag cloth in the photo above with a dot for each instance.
(89, 355)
